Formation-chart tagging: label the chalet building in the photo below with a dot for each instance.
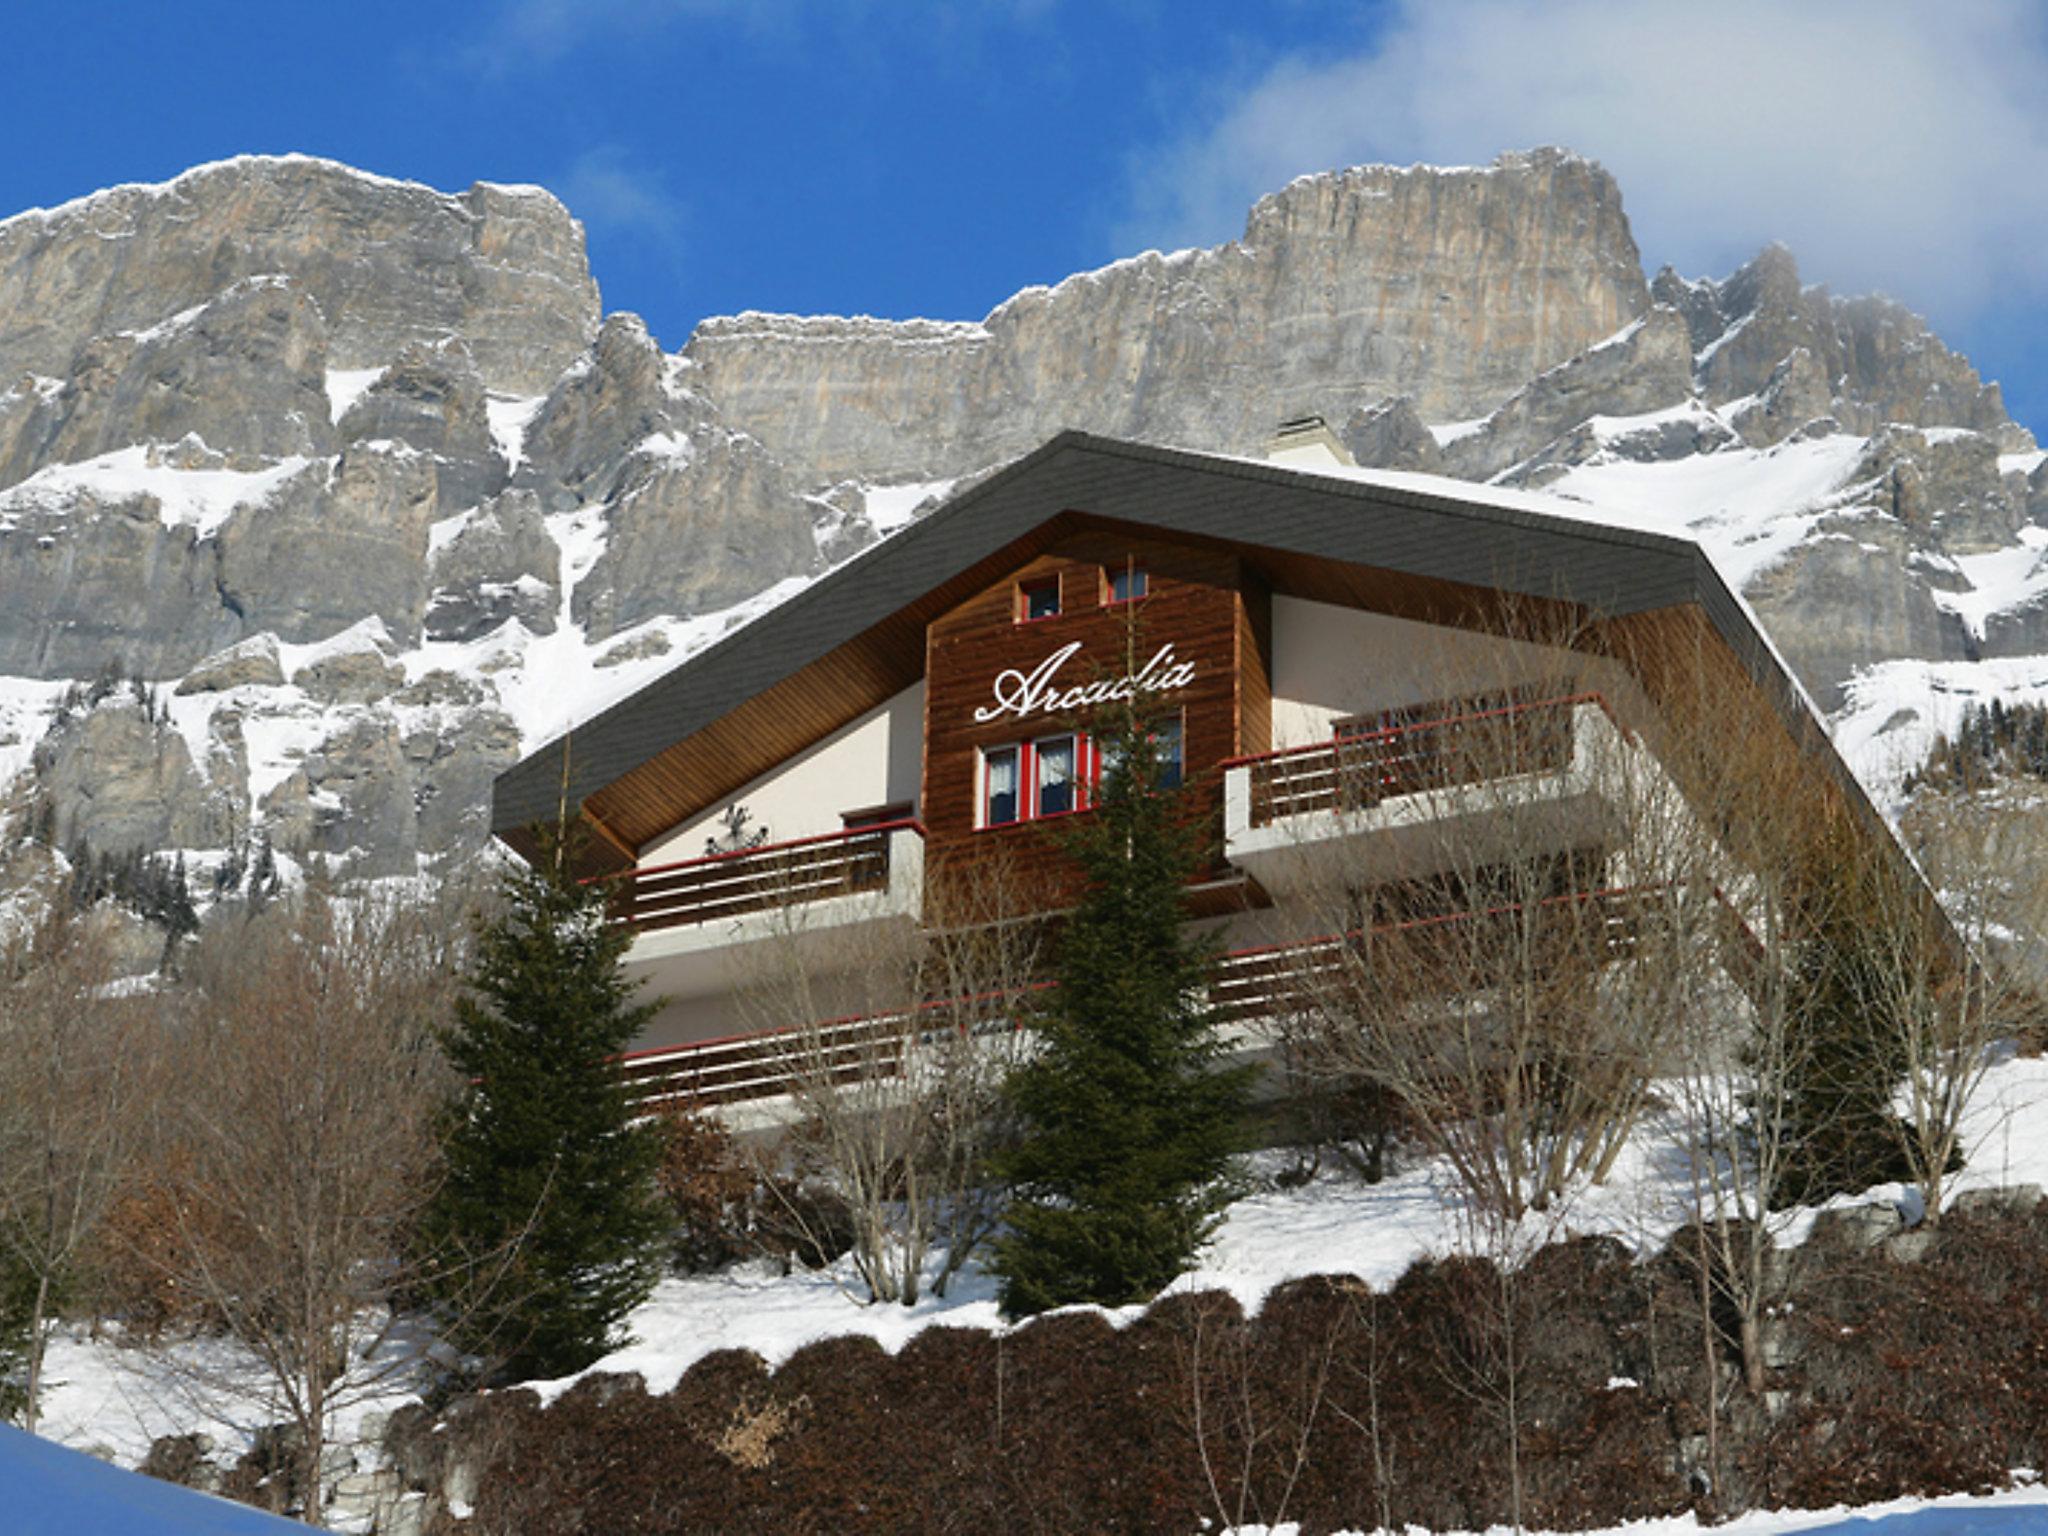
(1317, 647)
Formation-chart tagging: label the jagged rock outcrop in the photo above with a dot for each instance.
(250, 663)
(432, 400)
(406, 778)
(495, 563)
(351, 674)
(1944, 488)
(121, 779)
(457, 743)
(1883, 363)
(614, 399)
(1849, 595)
(1646, 367)
(245, 373)
(1664, 438)
(1391, 435)
(1795, 398)
(339, 542)
(91, 579)
(350, 801)
(694, 524)
(387, 262)
(1452, 287)
(697, 516)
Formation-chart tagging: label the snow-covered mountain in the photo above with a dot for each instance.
(356, 477)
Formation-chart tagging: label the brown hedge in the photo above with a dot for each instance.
(1915, 1365)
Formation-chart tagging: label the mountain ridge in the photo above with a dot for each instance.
(463, 504)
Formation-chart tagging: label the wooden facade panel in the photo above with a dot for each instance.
(1254, 665)
(980, 654)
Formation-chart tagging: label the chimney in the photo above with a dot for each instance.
(1307, 442)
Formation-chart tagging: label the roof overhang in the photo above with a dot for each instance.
(856, 637)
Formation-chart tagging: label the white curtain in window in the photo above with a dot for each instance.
(1002, 786)
(1055, 776)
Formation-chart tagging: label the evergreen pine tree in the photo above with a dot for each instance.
(263, 877)
(1847, 1054)
(550, 1192)
(1129, 1115)
(16, 1290)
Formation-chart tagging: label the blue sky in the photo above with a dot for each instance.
(910, 157)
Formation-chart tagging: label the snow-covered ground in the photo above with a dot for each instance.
(1335, 1224)
(115, 1399)
(2019, 1511)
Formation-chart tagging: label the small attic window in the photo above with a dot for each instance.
(1128, 583)
(1038, 599)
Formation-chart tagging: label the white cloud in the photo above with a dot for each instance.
(543, 30)
(1893, 145)
(612, 193)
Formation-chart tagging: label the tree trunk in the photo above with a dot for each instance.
(37, 1342)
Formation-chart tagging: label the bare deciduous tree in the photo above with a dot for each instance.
(1950, 991)
(73, 1064)
(900, 1035)
(1498, 875)
(1763, 869)
(304, 1142)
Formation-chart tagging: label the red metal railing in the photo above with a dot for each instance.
(721, 885)
(1359, 770)
(1261, 982)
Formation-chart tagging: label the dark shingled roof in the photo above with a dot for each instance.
(1608, 570)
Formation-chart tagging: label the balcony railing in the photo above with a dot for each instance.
(1359, 770)
(1248, 984)
(725, 885)
(1454, 948)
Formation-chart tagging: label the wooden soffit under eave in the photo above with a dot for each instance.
(1732, 725)
(774, 725)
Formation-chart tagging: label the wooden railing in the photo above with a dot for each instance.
(1358, 770)
(1247, 984)
(1599, 926)
(721, 885)
(760, 1066)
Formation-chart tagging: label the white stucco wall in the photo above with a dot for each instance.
(876, 760)
(1331, 662)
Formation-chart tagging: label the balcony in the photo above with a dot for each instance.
(1416, 798)
(693, 920)
(1248, 986)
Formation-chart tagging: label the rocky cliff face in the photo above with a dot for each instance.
(353, 473)
(1452, 287)
(386, 263)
